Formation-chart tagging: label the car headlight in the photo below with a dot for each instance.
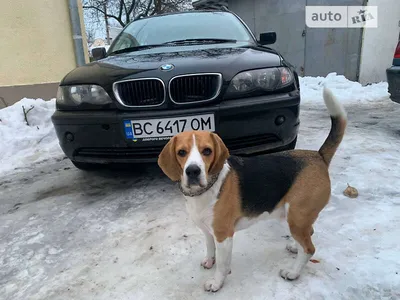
(269, 79)
(79, 94)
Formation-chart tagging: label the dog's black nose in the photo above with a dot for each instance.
(193, 171)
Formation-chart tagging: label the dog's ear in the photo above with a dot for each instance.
(221, 154)
(168, 163)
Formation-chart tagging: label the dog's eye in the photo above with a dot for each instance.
(182, 153)
(207, 151)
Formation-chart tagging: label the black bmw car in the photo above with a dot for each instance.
(198, 70)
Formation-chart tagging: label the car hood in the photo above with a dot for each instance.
(228, 59)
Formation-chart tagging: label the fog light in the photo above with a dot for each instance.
(280, 120)
(69, 136)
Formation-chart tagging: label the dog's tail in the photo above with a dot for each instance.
(339, 122)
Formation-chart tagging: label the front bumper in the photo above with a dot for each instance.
(247, 126)
(393, 77)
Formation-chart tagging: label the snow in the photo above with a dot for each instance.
(23, 145)
(347, 91)
(68, 234)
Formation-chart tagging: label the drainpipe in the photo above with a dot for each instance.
(76, 32)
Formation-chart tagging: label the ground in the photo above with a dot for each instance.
(125, 234)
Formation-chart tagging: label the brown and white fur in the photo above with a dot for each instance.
(225, 194)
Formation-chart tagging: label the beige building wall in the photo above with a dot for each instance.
(36, 42)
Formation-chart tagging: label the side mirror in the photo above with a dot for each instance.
(99, 53)
(267, 38)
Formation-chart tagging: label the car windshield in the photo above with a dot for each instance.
(201, 26)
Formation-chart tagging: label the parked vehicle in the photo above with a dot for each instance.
(198, 70)
(393, 76)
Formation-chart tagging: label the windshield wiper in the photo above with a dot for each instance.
(136, 48)
(200, 41)
(177, 42)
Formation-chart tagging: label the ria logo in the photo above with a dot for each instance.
(364, 15)
(167, 67)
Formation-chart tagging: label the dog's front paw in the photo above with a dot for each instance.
(213, 285)
(289, 274)
(208, 262)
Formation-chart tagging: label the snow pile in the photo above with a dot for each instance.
(345, 90)
(22, 145)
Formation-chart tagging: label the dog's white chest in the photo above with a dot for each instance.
(201, 208)
(201, 212)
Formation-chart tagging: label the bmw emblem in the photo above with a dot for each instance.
(167, 67)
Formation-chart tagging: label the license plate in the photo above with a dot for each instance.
(164, 129)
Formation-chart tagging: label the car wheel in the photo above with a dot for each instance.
(85, 166)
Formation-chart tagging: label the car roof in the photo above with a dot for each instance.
(184, 12)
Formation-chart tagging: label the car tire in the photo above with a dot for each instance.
(85, 166)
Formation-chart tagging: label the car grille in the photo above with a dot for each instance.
(186, 89)
(120, 153)
(143, 92)
(152, 153)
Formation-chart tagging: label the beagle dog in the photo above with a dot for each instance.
(225, 193)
